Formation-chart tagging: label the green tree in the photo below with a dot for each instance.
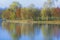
(43, 14)
(16, 10)
(34, 12)
(12, 16)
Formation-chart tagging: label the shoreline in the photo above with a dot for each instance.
(31, 21)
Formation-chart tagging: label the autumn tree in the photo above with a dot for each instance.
(6, 14)
(33, 12)
(55, 13)
(16, 8)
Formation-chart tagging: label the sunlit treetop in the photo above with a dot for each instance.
(15, 5)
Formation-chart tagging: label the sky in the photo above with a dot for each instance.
(25, 3)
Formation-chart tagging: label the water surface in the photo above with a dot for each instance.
(28, 31)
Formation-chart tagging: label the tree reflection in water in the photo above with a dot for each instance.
(17, 30)
(57, 31)
(30, 31)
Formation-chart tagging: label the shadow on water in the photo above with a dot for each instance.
(28, 31)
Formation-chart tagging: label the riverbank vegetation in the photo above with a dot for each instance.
(17, 12)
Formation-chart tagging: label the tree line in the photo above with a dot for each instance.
(17, 12)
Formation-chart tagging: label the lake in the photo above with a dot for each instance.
(28, 31)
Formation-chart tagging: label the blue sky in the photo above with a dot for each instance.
(25, 3)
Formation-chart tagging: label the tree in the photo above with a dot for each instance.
(6, 14)
(13, 12)
(15, 5)
(18, 13)
(24, 13)
(16, 8)
(56, 12)
(1, 12)
(12, 15)
(33, 12)
(43, 14)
